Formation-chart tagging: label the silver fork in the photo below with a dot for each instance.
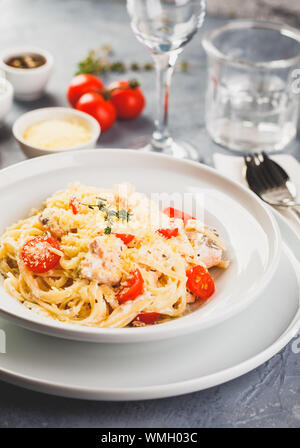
(270, 182)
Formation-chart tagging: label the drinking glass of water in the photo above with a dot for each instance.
(165, 27)
(252, 97)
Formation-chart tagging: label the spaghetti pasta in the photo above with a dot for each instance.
(102, 240)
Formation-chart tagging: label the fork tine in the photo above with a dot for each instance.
(266, 172)
(278, 174)
(254, 180)
(261, 172)
(269, 181)
(251, 179)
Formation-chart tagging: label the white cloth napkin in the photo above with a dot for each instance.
(232, 166)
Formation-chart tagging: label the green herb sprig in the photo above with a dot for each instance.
(110, 214)
(98, 62)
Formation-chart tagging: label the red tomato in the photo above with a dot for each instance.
(148, 318)
(127, 98)
(82, 84)
(174, 213)
(200, 282)
(125, 237)
(74, 204)
(37, 254)
(168, 233)
(95, 105)
(133, 287)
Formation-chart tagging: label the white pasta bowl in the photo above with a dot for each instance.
(53, 113)
(248, 228)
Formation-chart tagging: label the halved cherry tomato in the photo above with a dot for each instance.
(125, 237)
(133, 287)
(148, 318)
(200, 282)
(168, 233)
(82, 84)
(74, 204)
(37, 254)
(174, 213)
(127, 98)
(102, 110)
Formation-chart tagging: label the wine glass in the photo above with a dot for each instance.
(165, 27)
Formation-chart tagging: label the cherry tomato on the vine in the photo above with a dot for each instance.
(82, 84)
(102, 110)
(127, 98)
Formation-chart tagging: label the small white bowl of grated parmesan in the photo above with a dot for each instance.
(55, 129)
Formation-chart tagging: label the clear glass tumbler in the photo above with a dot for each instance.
(252, 97)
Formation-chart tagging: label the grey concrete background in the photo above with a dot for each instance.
(266, 397)
(276, 10)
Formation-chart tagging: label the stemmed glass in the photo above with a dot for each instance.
(165, 27)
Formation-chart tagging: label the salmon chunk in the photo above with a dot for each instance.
(206, 250)
(102, 263)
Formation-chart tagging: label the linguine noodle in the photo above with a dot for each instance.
(94, 263)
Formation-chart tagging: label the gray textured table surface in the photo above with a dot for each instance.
(266, 397)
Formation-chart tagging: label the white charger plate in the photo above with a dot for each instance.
(166, 368)
(244, 223)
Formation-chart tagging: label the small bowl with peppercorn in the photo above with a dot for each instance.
(28, 69)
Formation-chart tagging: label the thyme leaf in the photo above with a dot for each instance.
(123, 215)
(109, 213)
